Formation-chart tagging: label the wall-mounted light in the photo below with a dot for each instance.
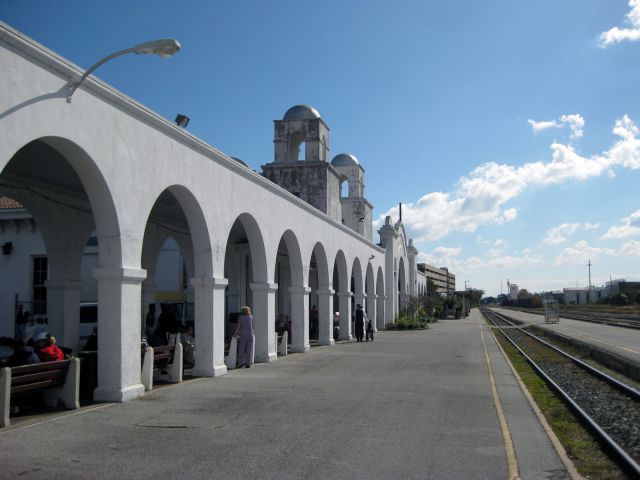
(182, 120)
(372, 257)
(6, 248)
(361, 219)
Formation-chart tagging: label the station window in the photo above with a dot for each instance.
(38, 287)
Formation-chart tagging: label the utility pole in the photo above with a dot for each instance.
(589, 291)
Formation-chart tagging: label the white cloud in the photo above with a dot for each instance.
(617, 35)
(631, 248)
(480, 197)
(629, 226)
(452, 259)
(575, 122)
(581, 253)
(559, 234)
(543, 125)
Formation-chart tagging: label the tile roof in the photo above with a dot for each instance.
(9, 203)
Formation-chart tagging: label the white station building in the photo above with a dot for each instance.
(107, 168)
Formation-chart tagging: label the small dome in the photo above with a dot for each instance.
(344, 160)
(240, 162)
(301, 112)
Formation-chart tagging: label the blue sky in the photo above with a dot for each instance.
(508, 130)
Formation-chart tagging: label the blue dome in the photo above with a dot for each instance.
(344, 160)
(301, 112)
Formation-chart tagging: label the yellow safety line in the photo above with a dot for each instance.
(512, 461)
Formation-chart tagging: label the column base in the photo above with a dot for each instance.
(213, 371)
(304, 349)
(271, 357)
(324, 343)
(127, 394)
(349, 337)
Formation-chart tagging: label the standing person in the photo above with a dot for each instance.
(21, 322)
(167, 325)
(244, 330)
(359, 323)
(313, 321)
(150, 321)
(188, 346)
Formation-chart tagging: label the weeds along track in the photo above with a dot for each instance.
(608, 407)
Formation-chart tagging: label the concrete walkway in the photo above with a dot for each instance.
(623, 342)
(411, 405)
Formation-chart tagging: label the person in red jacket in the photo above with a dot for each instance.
(50, 352)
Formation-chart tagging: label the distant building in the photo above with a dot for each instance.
(582, 296)
(444, 280)
(513, 291)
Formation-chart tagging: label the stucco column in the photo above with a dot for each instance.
(264, 322)
(325, 316)
(63, 311)
(299, 319)
(209, 326)
(381, 316)
(119, 334)
(345, 315)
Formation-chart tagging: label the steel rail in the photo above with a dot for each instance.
(628, 463)
(623, 387)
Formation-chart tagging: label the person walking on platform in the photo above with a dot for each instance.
(244, 330)
(359, 323)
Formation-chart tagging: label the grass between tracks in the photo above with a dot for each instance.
(580, 446)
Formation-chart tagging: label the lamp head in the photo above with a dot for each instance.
(166, 47)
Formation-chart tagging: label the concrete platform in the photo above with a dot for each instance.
(414, 404)
(623, 342)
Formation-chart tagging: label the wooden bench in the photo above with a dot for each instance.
(161, 363)
(60, 382)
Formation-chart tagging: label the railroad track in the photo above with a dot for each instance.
(608, 407)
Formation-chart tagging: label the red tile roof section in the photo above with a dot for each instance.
(9, 203)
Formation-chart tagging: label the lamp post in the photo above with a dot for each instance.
(164, 48)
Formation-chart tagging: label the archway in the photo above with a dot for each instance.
(342, 297)
(381, 299)
(184, 270)
(292, 298)
(323, 296)
(246, 271)
(402, 286)
(65, 191)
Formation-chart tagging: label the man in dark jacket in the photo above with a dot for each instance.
(359, 323)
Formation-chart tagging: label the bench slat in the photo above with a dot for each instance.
(40, 367)
(36, 377)
(47, 383)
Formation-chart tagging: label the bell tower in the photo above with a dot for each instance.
(300, 166)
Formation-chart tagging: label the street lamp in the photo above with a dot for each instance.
(166, 47)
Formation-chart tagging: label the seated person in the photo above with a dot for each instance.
(22, 354)
(50, 352)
